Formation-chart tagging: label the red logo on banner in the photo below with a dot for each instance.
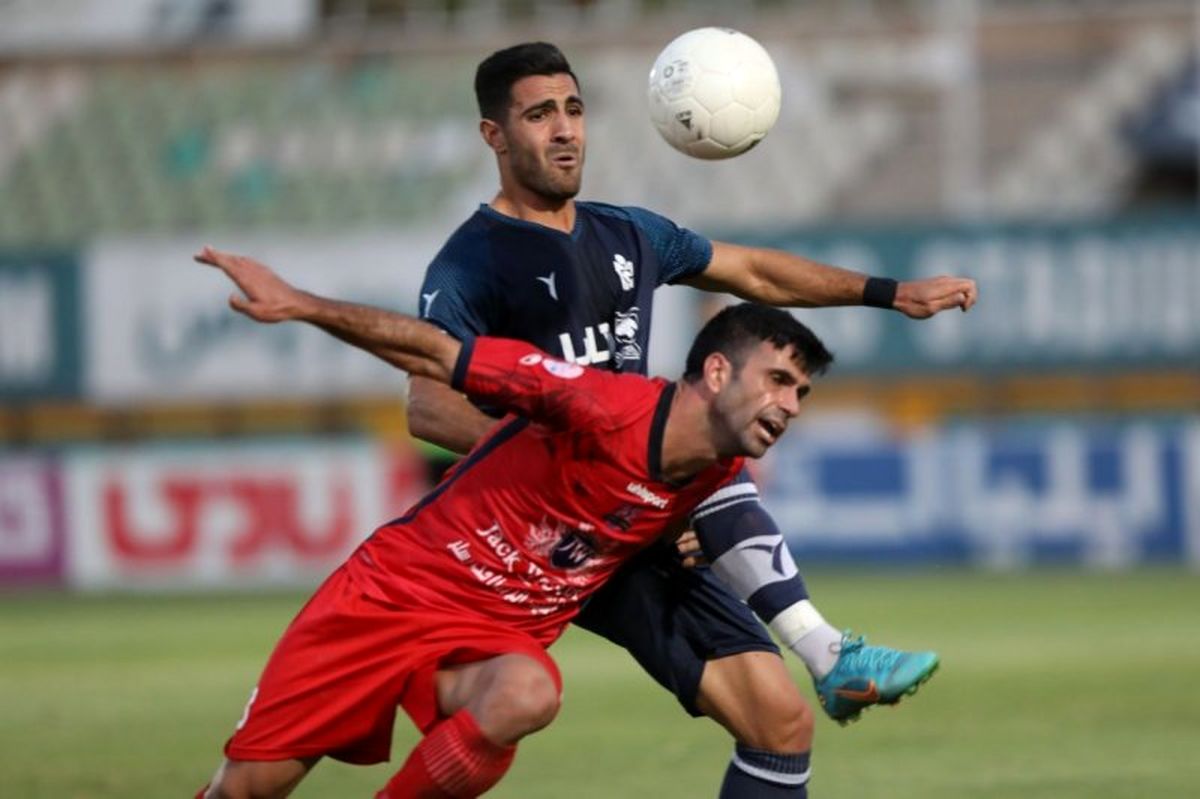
(269, 508)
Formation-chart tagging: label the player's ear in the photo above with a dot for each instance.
(718, 371)
(493, 136)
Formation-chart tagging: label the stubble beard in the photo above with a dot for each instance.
(543, 181)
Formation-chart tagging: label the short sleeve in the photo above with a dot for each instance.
(454, 299)
(522, 379)
(681, 253)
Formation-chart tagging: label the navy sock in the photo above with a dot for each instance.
(759, 774)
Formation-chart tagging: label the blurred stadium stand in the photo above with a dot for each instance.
(1033, 138)
(366, 131)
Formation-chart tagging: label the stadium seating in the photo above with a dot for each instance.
(360, 138)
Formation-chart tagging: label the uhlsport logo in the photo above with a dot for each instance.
(647, 496)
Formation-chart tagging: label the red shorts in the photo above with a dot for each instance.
(332, 684)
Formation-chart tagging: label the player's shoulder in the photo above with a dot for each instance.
(632, 214)
(472, 230)
(627, 396)
(467, 247)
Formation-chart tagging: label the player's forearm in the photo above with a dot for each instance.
(748, 553)
(780, 278)
(442, 416)
(417, 347)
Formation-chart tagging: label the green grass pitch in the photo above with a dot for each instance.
(1053, 685)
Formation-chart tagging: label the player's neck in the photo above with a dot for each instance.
(688, 446)
(528, 207)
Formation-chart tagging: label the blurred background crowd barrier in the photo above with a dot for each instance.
(151, 438)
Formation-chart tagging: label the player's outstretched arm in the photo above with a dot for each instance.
(440, 415)
(416, 347)
(781, 278)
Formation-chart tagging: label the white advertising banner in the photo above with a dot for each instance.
(207, 516)
(159, 325)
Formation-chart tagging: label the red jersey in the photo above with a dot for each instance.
(543, 510)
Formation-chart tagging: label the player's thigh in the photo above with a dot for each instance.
(258, 779)
(673, 620)
(753, 695)
(509, 695)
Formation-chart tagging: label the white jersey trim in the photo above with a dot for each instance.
(777, 777)
(725, 497)
(750, 564)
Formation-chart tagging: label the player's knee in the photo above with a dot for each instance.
(533, 701)
(237, 789)
(787, 727)
(526, 700)
(244, 780)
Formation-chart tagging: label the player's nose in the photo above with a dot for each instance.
(564, 129)
(790, 402)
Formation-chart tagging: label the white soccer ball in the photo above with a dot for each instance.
(714, 93)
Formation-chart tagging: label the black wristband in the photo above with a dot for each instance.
(880, 292)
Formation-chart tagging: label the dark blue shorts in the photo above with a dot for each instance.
(672, 620)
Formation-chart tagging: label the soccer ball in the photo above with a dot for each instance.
(714, 93)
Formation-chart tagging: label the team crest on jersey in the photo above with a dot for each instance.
(573, 550)
(567, 371)
(624, 269)
(542, 536)
(565, 547)
(625, 331)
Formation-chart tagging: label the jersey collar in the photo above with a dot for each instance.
(495, 215)
(658, 426)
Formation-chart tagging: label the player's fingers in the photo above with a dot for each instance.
(687, 543)
(207, 255)
(240, 304)
(959, 294)
(221, 260)
(972, 296)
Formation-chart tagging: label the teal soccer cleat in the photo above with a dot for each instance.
(871, 675)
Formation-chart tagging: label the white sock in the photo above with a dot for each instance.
(804, 630)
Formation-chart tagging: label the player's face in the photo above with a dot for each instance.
(755, 405)
(545, 136)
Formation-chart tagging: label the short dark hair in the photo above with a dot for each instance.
(739, 327)
(496, 74)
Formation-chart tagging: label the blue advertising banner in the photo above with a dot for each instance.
(1119, 293)
(39, 325)
(1002, 495)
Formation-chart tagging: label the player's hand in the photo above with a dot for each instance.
(921, 299)
(267, 296)
(690, 553)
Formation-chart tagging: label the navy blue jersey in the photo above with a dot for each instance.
(585, 295)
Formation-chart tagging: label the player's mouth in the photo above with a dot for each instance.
(568, 159)
(772, 429)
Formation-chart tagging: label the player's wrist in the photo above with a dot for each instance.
(305, 306)
(880, 292)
